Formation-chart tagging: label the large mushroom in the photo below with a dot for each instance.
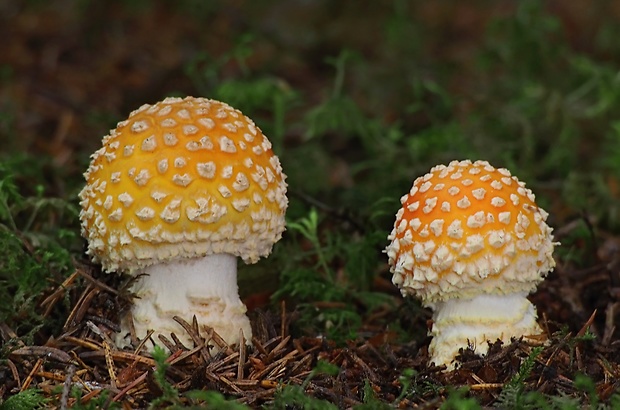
(177, 192)
(471, 243)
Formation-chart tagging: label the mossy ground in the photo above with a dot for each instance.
(358, 100)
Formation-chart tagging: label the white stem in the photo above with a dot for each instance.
(205, 287)
(458, 323)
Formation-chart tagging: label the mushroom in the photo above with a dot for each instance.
(175, 194)
(471, 243)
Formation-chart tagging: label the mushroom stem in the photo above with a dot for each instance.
(205, 287)
(458, 323)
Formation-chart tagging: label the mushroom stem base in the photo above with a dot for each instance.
(202, 287)
(458, 323)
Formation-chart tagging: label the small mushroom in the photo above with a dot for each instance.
(177, 192)
(471, 243)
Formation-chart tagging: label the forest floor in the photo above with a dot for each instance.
(358, 102)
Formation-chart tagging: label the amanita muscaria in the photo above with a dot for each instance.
(471, 243)
(177, 192)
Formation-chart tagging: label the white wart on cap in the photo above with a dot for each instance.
(176, 182)
(471, 243)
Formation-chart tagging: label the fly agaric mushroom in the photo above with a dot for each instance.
(177, 192)
(471, 243)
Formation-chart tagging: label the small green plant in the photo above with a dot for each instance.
(205, 69)
(326, 295)
(30, 399)
(292, 396)
(23, 276)
(102, 400)
(371, 402)
(36, 250)
(262, 94)
(457, 400)
(169, 395)
(585, 384)
(535, 400)
(587, 337)
(9, 196)
(254, 94)
(210, 399)
(512, 395)
(412, 386)
(338, 113)
(308, 228)
(406, 380)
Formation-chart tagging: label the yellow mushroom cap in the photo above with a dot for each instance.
(182, 178)
(468, 229)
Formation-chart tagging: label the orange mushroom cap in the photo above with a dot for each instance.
(467, 229)
(182, 178)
